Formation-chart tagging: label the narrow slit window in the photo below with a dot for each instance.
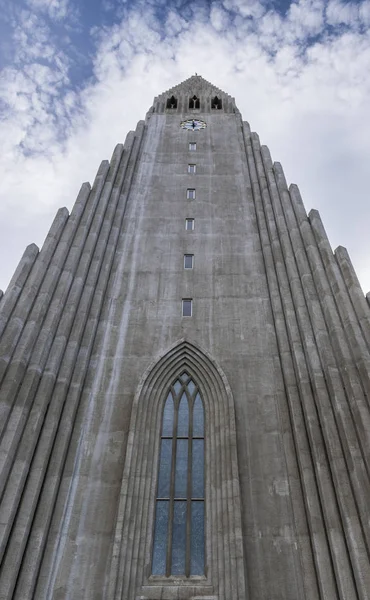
(179, 532)
(189, 224)
(192, 146)
(188, 261)
(192, 169)
(187, 307)
(190, 194)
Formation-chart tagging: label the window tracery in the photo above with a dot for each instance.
(179, 545)
(194, 102)
(171, 102)
(216, 103)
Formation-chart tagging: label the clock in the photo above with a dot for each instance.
(193, 124)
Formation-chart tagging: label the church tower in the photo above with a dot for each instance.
(185, 382)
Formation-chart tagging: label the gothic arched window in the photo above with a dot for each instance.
(194, 102)
(171, 102)
(179, 545)
(216, 103)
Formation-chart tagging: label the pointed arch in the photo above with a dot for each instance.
(132, 552)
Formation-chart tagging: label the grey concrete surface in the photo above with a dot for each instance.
(92, 336)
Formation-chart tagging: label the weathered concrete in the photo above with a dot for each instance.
(278, 344)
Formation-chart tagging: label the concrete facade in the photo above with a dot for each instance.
(92, 335)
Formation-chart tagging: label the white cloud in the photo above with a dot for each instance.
(306, 93)
(56, 9)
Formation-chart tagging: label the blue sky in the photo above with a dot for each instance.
(77, 75)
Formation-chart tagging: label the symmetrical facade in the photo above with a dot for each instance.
(185, 382)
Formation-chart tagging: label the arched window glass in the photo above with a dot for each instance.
(179, 545)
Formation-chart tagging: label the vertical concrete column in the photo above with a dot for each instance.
(354, 359)
(58, 490)
(16, 284)
(355, 292)
(306, 431)
(319, 255)
(36, 328)
(89, 264)
(288, 275)
(12, 331)
(337, 402)
(33, 392)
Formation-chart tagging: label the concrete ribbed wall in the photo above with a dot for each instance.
(284, 331)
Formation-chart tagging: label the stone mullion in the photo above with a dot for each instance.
(312, 260)
(310, 453)
(189, 489)
(329, 283)
(348, 316)
(325, 363)
(15, 288)
(210, 478)
(85, 279)
(172, 490)
(355, 292)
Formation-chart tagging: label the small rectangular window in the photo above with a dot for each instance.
(189, 224)
(188, 261)
(187, 307)
(190, 194)
(192, 146)
(192, 169)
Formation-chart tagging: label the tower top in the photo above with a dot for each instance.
(206, 97)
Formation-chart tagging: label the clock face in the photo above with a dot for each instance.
(193, 124)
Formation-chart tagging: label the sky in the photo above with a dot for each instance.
(77, 75)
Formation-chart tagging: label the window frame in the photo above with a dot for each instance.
(183, 306)
(191, 257)
(192, 146)
(190, 436)
(192, 168)
(190, 220)
(190, 194)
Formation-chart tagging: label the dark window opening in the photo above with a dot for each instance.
(172, 102)
(194, 102)
(216, 103)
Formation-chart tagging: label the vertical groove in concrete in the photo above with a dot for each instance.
(347, 465)
(13, 330)
(309, 316)
(352, 471)
(89, 264)
(304, 423)
(355, 291)
(41, 326)
(306, 251)
(348, 343)
(16, 284)
(58, 487)
(27, 316)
